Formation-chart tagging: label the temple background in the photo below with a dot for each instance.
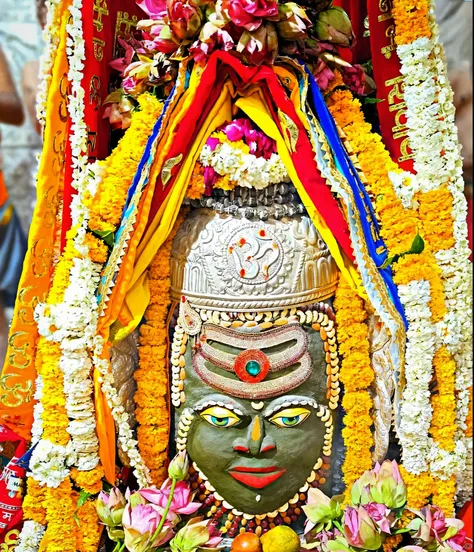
(20, 39)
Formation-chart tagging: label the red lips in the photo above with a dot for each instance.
(256, 477)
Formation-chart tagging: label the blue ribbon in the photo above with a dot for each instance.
(376, 247)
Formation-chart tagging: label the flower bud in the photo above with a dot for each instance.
(294, 23)
(334, 26)
(179, 466)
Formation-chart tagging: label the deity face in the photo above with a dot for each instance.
(257, 431)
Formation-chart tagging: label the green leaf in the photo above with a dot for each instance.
(418, 245)
(114, 97)
(368, 100)
(107, 237)
(83, 498)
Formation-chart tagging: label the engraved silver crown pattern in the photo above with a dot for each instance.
(229, 263)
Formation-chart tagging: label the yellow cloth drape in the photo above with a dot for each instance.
(254, 106)
(137, 296)
(19, 374)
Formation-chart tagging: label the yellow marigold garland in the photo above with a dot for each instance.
(196, 185)
(88, 529)
(399, 226)
(122, 164)
(60, 535)
(357, 375)
(90, 481)
(411, 19)
(152, 376)
(33, 503)
(98, 250)
(443, 423)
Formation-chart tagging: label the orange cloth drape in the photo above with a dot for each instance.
(19, 374)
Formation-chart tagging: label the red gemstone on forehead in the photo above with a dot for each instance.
(252, 366)
(262, 233)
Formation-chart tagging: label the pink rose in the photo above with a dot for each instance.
(250, 13)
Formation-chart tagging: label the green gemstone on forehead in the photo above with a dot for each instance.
(253, 368)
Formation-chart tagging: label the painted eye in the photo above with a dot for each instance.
(220, 417)
(290, 417)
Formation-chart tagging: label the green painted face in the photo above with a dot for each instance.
(257, 453)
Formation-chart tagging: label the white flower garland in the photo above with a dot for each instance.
(433, 139)
(37, 427)
(50, 463)
(244, 168)
(30, 537)
(125, 434)
(51, 39)
(416, 411)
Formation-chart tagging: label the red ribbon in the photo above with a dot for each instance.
(389, 81)
(221, 64)
(103, 21)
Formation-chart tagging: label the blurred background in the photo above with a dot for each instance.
(20, 141)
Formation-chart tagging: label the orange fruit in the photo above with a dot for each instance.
(246, 542)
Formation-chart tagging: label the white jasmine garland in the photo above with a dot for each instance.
(434, 141)
(50, 464)
(405, 186)
(416, 410)
(245, 169)
(51, 40)
(37, 427)
(30, 537)
(125, 434)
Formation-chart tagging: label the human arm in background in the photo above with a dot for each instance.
(29, 88)
(11, 109)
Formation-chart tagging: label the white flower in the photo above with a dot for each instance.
(50, 463)
(30, 537)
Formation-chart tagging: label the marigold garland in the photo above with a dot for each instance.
(88, 529)
(60, 535)
(90, 481)
(152, 411)
(411, 19)
(443, 423)
(98, 250)
(196, 186)
(357, 375)
(121, 167)
(399, 226)
(33, 504)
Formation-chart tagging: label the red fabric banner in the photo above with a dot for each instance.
(103, 22)
(386, 66)
(222, 64)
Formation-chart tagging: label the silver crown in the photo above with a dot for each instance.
(234, 264)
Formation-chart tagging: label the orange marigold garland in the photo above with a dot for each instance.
(33, 503)
(121, 166)
(152, 376)
(411, 19)
(357, 375)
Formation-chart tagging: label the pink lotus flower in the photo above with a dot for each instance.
(383, 485)
(357, 80)
(250, 13)
(122, 63)
(184, 19)
(156, 9)
(182, 499)
(196, 535)
(359, 529)
(140, 523)
(294, 23)
(432, 525)
(210, 39)
(383, 516)
(323, 74)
